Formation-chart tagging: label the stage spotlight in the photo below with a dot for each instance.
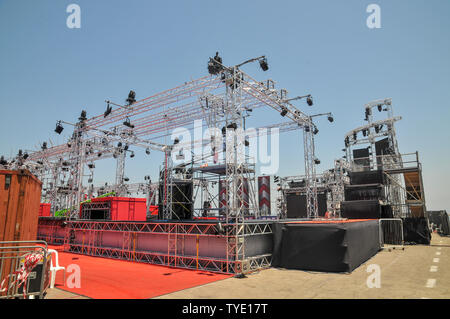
(176, 141)
(127, 123)
(330, 119)
(90, 180)
(108, 110)
(346, 141)
(59, 127)
(132, 154)
(99, 154)
(263, 64)
(83, 116)
(283, 112)
(131, 97)
(2, 161)
(377, 129)
(126, 179)
(307, 129)
(380, 107)
(364, 132)
(316, 161)
(147, 151)
(69, 145)
(126, 147)
(355, 136)
(316, 130)
(91, 166)
(309, 100)
(232, 126)
(25, 156)
(247, 143)
(215, 64)
(44, 146)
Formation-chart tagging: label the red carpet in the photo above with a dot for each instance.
(104, 278)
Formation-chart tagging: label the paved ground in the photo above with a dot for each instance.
(415, 272)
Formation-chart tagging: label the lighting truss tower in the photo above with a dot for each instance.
(77, 158)
(235, 166)
(310, 172)
(120, 172)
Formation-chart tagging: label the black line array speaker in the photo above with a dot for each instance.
(181, 200)
(296, 205)
(369, 177)
(364, 192)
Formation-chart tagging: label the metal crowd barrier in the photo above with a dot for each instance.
(24, 269)
(391, 231)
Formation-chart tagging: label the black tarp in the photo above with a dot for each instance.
(416, 231)
(329, 247)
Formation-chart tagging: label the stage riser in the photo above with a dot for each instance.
(121, 241)
(339, 247)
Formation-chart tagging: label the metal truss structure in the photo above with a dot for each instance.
(87, 237)
(331, 181)
(222, 101)
(403, 173)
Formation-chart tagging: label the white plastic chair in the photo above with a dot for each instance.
(54, 269)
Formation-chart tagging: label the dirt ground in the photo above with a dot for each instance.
(415, 272)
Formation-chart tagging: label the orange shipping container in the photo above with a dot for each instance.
(20, 196)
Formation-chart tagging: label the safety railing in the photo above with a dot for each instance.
(24, 269)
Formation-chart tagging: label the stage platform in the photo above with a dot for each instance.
(192, 244)
(318, 245)
(329, 246)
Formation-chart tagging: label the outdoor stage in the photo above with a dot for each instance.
(319, 245)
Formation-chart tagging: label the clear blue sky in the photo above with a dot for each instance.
(49, 72)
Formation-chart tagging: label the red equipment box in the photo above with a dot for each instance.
(123, 208)
(44, 210)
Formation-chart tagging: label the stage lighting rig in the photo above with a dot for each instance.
(83, 116)
(215, 65)
(316, 130)
(131, 98)
(108, 110)
(59, 128)
(308, 97)
(128, 123)
(263, 64)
